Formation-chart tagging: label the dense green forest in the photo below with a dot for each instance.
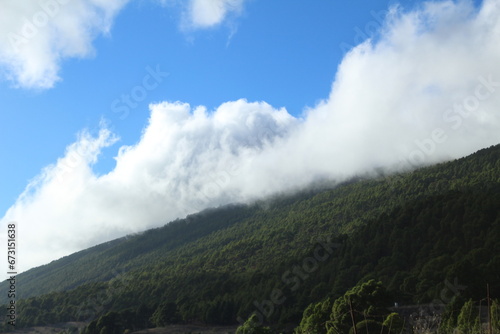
(323, 260)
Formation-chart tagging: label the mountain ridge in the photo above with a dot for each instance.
(243, 250)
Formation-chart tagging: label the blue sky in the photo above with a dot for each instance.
(285, 104)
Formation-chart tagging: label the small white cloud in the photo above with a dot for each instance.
(209, 13)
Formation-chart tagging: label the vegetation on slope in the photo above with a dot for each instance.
(413, 232)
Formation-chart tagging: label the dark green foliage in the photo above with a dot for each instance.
(366, 303)
(365, 307)
(495, 316)
(253, 326)
(393, 324)
(468, 320)
(165, 314)
(430, 234)
(367, 326)
(315, 318)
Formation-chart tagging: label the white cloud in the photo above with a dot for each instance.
(426, 91)
(208, 13)
(36, 36)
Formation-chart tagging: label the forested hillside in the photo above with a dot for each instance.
(413, 232)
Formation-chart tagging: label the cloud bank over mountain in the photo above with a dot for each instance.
(427, 89)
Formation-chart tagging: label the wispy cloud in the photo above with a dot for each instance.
(427, 90)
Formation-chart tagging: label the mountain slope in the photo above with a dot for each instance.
(222, 263)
